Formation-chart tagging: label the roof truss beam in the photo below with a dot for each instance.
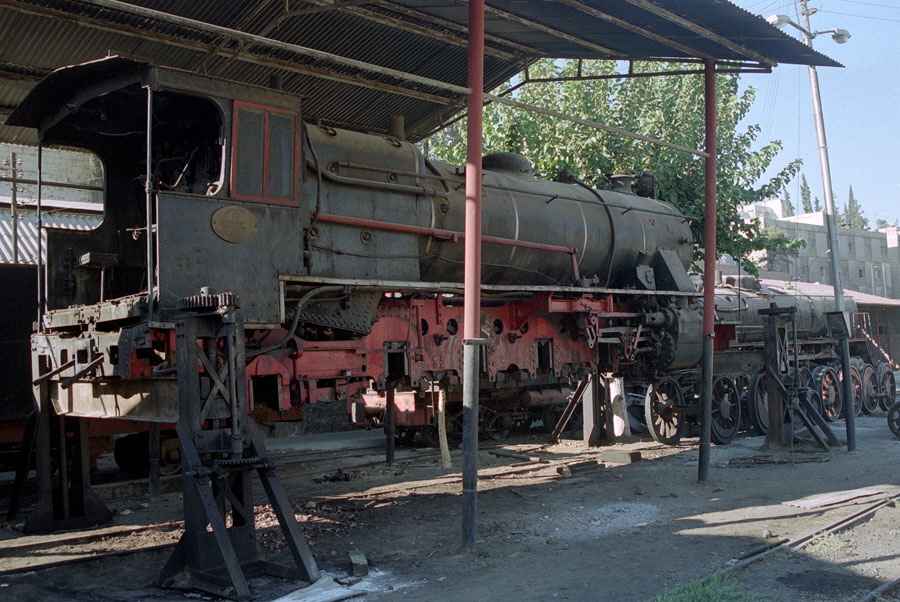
(291, 66)
(463, 29)
(561, 35)
(659, 11)
(598, 14)
(354, 8)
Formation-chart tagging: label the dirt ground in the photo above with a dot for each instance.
(616, 532)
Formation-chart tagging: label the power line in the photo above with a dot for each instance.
(894, 6)
(833, 12)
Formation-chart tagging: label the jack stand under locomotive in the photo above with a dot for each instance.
(220, 447)
(788, 400)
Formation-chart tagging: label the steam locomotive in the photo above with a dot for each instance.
(343, 250)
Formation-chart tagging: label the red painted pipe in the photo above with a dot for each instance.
(709, 227)
(450, 235)
(472, 281)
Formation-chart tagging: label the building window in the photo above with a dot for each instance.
(860, 272)
(265, 153)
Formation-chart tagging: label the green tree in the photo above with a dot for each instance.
(781, 250)
(805, 195)
(787, 207)
(817, 204)
(669, 108)
(853, 213)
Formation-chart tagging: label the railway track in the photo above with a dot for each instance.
(35, 553)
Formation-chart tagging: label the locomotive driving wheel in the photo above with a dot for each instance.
(893, 419)
(661, 405)
(856, 386)
(869, 389)
(759, 403)
(829, 389)
(887, 386)
(726, 410)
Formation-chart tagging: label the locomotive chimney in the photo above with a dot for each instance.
(396, 127)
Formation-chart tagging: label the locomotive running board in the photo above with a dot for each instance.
(220, 447)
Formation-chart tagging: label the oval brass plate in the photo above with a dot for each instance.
(234, 224)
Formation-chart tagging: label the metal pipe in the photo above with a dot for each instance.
(14, 207)
(86, 370)
(40, 235)
(443, 234)
(843, 340)
(53, 373)
(709, 273)
(148, 191)
(472, 281)
(389, 408)
(69, 185)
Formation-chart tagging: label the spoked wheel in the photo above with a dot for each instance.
(495, 425)
(829, 389)
(759, 403)
(869, 389)
(405, 436)
(806, 377)
(815, 400)
(726, 410)
(893, 419)
(856, 385)
(169, 455)
(887, 386)
(661, 405)
(550, 416)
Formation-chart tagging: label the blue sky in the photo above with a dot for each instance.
(861, 102)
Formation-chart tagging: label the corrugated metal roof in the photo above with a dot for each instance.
(422, 37)
(27, 231)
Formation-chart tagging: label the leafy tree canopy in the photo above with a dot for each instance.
(669, 108)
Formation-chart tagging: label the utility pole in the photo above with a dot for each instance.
(13, 164)
(843, 336)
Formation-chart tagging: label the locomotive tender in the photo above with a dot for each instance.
(343, 250)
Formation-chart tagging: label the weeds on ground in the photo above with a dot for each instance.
(828, 543)
(721, 587)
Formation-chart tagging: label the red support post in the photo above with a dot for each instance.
(709, 272)
(472, 302)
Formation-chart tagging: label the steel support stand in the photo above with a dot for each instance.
(472, 274)
(709, 273)
(592, 404)
(220, 449)
(153, 452)
(65, 498)
(389, 424)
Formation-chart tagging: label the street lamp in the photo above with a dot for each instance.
(840, 36)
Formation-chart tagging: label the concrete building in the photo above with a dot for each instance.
(869, 259)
